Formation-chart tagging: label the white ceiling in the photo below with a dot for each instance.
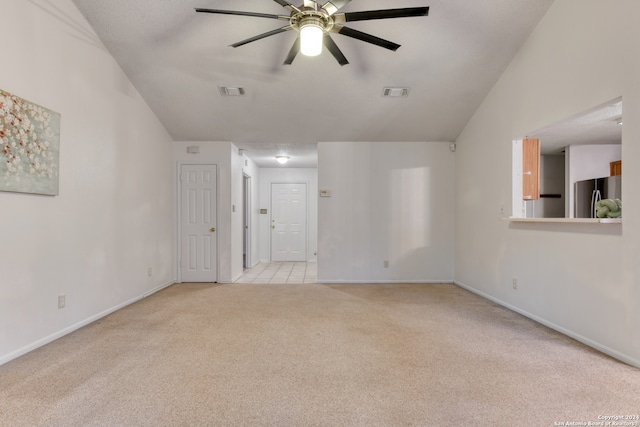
(599, 125)
(178, 58)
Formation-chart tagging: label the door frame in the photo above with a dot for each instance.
(178, 234)
(246, 216)
(306, 231)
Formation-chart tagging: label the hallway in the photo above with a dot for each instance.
(280, 272)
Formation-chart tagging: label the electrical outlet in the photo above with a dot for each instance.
(150, 272)
(62, 301)
(515, 283)
(386, 263)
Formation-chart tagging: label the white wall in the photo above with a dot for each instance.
(284, 175)
(582, 279)
(217, 153)
(237, 203)
(591, 161)
(389, 201)
(113, 218)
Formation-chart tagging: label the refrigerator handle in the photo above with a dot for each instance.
(595, 198)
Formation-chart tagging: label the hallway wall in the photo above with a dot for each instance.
(390, 201)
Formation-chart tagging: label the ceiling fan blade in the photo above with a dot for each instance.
(335, 50)
(293, 52)
(287, 5)
(332, 6)
(381, 14)
(359, 35)
(237, 12)
(262, 36)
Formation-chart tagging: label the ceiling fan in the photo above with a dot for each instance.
(315, 22)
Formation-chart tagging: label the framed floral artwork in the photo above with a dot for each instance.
(29, 146)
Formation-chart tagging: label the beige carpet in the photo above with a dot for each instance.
(315, 355)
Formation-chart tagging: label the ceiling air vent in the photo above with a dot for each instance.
(395, 92)
(231, 91)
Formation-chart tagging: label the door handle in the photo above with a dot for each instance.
(213, 230)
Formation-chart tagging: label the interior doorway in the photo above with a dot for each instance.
(288, 222)
(198, 219)
(246, 222)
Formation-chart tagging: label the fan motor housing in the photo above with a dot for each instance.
(311, 17)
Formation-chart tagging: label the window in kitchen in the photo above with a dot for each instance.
(571, 169)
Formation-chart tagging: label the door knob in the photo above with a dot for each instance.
(213, 230)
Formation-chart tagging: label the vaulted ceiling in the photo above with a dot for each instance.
(178, 59)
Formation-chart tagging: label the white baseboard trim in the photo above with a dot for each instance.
(158, 289)
(46, 340)
(381, 282)
(584, 340)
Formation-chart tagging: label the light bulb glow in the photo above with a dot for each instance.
(282, 159)
(311, 36)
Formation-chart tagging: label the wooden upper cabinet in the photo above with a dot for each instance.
(530, 169)
(616, 168)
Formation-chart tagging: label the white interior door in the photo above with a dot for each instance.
(198, 243)
(288, 222)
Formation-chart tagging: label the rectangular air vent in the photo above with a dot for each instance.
(395, 92)
(231, 91)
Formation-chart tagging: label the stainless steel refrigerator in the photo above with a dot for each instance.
(586, 193)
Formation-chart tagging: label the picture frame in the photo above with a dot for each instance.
(29, 146)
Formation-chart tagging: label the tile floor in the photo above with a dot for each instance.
(280, 272)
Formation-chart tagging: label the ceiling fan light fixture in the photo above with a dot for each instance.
(282, 159)
(315, 22)
(311, 36)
